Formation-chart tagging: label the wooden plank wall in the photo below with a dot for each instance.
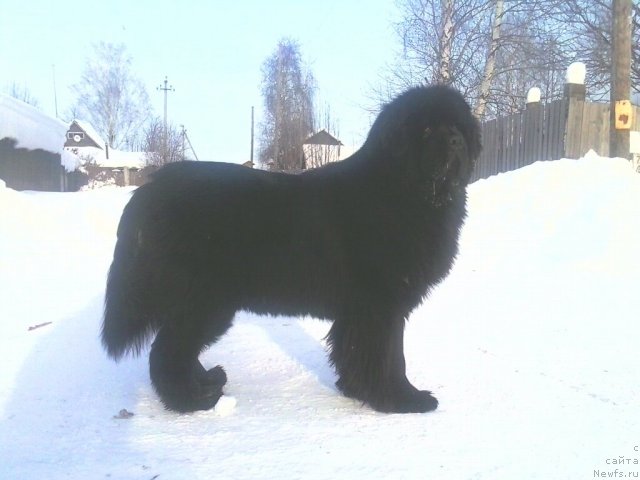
(565, 128)
(23, 169)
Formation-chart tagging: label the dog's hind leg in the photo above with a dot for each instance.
(368, 355)
(177, 375)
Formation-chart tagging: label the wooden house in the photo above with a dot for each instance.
(100, 163)
(321, 148)
(82, 135)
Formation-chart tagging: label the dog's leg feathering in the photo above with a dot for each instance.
(370, 362)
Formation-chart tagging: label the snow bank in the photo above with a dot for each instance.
(530, 345)
(117, 158)
(121, 159)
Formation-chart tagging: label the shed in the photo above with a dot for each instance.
(82, 134)
(32, 155)
(321, 148)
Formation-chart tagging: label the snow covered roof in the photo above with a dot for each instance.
(90, 131)
(322, 138)
(34, 130)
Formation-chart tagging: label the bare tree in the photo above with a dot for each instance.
(287, 89)
(440, 40)
(445, 43)
(487, 49)
(159, 152)
(587, 30)
(588, 27)
(490, 63)
(110, 97)
(531, 51)
(635, 46)
(22, 93)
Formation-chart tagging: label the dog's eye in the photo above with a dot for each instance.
(427, 133)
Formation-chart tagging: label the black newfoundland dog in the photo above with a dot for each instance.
(358, 242)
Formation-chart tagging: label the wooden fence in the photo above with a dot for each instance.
(564, 128)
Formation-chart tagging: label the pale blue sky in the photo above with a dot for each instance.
(212, 52)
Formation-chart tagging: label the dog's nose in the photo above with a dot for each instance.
(456, 141)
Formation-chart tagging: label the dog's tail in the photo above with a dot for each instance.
(127, 325)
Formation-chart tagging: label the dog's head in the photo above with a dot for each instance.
(429, 133)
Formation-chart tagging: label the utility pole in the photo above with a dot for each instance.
(55, 90)
(251, 156)
(166, 88)
(620, 80)
(183, 134)
(191, 146)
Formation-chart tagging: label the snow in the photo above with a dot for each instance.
(531, 346)
(533, 95)
(34, 130)
(117, 158)
(225, 405)
(576, 73)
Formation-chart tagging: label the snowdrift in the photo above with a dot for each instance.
(531, 346)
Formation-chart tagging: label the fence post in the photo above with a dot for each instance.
(532, 127)
(574, 93)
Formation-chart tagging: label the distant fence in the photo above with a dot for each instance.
(121, 177)
(564, 128)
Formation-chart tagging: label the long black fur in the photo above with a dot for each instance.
(358, 242)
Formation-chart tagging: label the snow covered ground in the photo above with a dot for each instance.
(531, 346)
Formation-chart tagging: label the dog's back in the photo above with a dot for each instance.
(226, 229)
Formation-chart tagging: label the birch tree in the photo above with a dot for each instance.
(487, 49)
(287, 89)
(490, 63)
(587, 30)
(110, 97)
(439, 40)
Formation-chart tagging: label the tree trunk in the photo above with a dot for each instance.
(446, 43)
(490, 64)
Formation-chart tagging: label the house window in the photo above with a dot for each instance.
(75, 136)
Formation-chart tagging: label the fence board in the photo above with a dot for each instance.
(518, 140)
(568, 127)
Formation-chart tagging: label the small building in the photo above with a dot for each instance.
(32, 154)
(83, 135)
(100, 163)
(320, 148)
